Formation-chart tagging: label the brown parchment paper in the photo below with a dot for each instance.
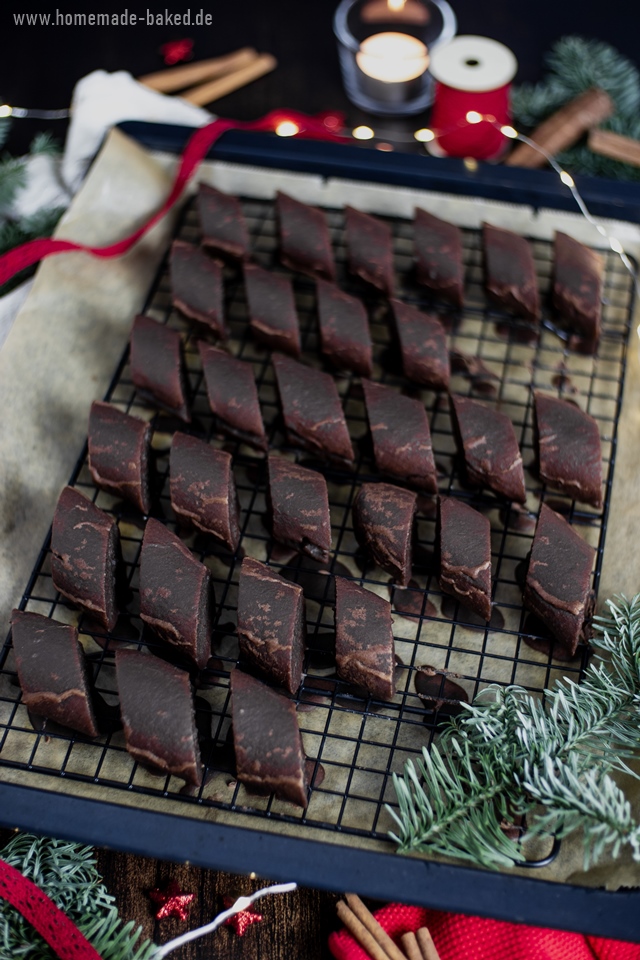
(61, 355)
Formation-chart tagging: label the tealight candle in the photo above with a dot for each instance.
(392, 57)
(384, 48)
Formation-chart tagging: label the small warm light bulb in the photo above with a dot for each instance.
(287, 128)
(510, 132)
(471, 164)
(5, 110)
(615, 245)
(567, 179)
(396, 5)
(474, 117)
(424, 135)
(363, 133)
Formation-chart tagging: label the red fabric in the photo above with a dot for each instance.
(458, 937)
(52, 924)
(198, 145)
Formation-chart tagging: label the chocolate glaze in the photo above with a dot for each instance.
(271, 623)
(423, 342)
(203, 489)
(176, 593)
(364, 639)
(223, 225)
(304, 238)
(510, 273)
(85, 547)
(558, 582)
(465, 555)
(272, 309)
(344, 329)
(438, 247)
(370, 249)
(454, 610)
(411, 599)
(578, 277)
(119, 453)
(299, 504)
(487, 441)
(401, 436)
(233, 395)
(268, 745)
(568, 449)
(157, 365)
(196, 286)
(158, 715)
(52, 670)
(436, 688)
(383, 523)
(538, 636)
(313, 415)
(475, 370)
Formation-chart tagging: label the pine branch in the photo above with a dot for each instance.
(44, 143)
(67, 873)
(575, 65)
(12, 178)
(510, 752)
(577, 798)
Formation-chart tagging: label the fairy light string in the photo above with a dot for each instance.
(241, 904)
(326, 127)
(427, 135)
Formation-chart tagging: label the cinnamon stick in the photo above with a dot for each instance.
(410, 946)
(614, 145)
(369, 921)
(563, 128)
(178, 78)
(208, 92)
(360, 932)
(427, 946)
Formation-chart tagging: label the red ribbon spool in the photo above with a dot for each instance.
(473, 76)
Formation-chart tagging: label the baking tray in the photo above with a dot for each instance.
(356, 744)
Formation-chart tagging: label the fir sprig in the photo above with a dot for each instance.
(575, 64)
(550, 759)
(67, 873)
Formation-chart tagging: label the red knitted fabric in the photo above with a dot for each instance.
(458, 937)
(51, 923)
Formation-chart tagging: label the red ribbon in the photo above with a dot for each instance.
(199, 143)
(52, 924)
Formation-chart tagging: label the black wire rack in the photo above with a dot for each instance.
(354, 745)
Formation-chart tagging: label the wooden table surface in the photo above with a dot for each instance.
(295, 926)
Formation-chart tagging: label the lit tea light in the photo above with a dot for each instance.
(392, 57)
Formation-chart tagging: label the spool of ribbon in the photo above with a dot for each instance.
(473, 77)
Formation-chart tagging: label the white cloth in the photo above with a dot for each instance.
(101, 100)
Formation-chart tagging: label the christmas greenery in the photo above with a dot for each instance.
(67, 873)
(575, 64)
(15, 230)
(551, 760)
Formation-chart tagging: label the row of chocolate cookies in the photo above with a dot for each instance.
(510, 275)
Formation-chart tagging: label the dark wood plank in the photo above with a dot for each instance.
(295, 924)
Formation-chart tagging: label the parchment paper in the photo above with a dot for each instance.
(70, 333)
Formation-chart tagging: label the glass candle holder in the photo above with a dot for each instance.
(384, 48)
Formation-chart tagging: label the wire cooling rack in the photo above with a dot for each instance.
(353, 744)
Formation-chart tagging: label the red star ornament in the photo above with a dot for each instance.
(173, 903)
(241, 921)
